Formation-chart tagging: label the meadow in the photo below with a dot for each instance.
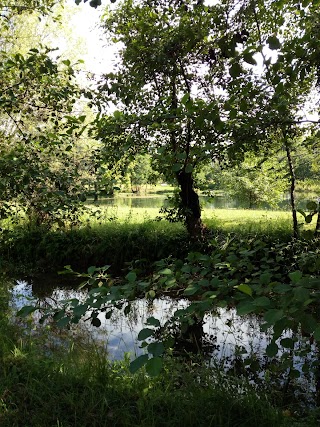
(117, 235)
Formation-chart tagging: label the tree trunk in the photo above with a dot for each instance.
(317, 229)
(191, 205)
(292, 189)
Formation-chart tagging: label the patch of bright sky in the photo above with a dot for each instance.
(98, 55)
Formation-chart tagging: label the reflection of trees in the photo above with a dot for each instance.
(47, 285)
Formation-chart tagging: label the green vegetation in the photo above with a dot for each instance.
(81, 388)
(75, 385)
(118, 236)
(206, 98)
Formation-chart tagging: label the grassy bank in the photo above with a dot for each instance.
(118, 236)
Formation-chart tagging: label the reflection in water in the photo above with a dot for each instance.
(225, 337)
(228, 333)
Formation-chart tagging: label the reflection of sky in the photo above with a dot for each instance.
(230, 333)
(119, 333)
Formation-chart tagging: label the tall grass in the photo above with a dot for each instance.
(118, 236)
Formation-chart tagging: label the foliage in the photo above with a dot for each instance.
(162, 89)
(141, 173)
(255, 181)
(250, 275)
(42, 173)
(28, 250)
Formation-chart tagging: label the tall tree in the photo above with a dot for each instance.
(39, 124)
(168, 89)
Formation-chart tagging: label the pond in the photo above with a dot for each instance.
(217, 202)
(232, 342)
(228, 332)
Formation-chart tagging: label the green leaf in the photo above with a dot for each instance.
(248, 58)
(156, 349)
(137, 364)
(117, 114)
(312, 206)
(63, 322)
(131, 276)
(153, 321)
(177, 167)
(308, 323)
(185, 98)
(282, 288)
(273, 315)
(308, 219)
(287, 343)
(165, 272)
(245, 289)
(265, 278)
(272, 349)
(151, 294)
(295, 276)
(154, 366)
(316, 334)
(301, 294)
(186, 268)
(294, 373)
(280, 326)
(235, 70)
(80, 310)
(245, 308)
(26, 310)
(273, 42)
(145, 333)
(92, 270)
(191, 289)
(262, 302)
(188, 168)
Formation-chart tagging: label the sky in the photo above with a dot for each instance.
(84, 24)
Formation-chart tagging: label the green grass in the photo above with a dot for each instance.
(118, 236)
(244, 221)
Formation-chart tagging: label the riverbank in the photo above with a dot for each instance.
(120, 237)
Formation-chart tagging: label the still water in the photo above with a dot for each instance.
(229, 335)
(233, 340)
(216, 202)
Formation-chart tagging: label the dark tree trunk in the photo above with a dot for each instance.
(292, 189)
(191, 205)
(317, 230)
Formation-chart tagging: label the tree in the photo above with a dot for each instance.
(140, 172)
(283, 87)
(39, 169)
(256, 181)
(168, 90)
